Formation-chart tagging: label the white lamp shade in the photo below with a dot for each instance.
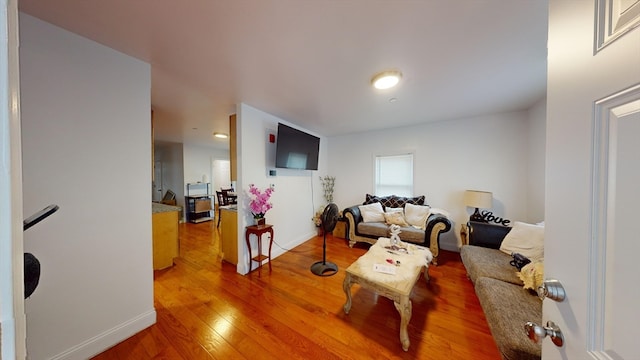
(478, 199)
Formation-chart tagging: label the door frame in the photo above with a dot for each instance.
(13, 326)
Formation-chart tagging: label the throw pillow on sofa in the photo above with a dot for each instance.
(525, 239)
(401, 201)
(532, 275)
(395, 217)
(370, 199)
(416, 215)
(372, 212)
(394, 201)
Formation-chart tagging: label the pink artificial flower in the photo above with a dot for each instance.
(260, 204)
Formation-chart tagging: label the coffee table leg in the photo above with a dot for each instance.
(346, 286)
(404, 308)
(426, 274)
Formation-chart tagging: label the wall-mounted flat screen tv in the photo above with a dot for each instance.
(296, 149)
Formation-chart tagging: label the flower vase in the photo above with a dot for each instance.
(319, 230)
(259, 221)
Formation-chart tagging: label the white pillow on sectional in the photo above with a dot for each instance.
(395, 217)
(392, 210)
(372, 212)
(416, 215)
(525, 239)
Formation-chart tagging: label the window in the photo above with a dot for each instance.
(394, 175)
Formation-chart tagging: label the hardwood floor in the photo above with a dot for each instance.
(208, 311)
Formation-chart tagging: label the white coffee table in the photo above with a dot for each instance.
(396, 287)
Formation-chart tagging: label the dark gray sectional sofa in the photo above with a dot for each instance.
(506, 304)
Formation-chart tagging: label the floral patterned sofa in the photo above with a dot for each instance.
(419, 223)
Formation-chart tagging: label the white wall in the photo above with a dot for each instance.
(501, 153)
(197, 161)
(86, 147)
(293, 199)
(536, 131)
(488, 153)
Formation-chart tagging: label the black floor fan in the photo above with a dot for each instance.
(329, 219)
(31, 263)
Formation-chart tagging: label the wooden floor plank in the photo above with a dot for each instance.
(208, 311)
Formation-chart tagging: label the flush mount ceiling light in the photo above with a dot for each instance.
(220, 135)
(386, 79)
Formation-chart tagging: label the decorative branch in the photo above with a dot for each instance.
(327, 186)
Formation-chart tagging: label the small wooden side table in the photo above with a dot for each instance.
(258, 230)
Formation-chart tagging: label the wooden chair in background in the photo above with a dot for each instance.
(169, 198)
(222, 201)
(230, 196)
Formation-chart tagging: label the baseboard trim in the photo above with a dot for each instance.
(109, 338)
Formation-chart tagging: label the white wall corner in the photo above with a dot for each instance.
(107, 339)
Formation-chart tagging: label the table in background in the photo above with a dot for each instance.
(258, 230)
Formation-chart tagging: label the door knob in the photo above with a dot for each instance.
(536, 332)
(551, 289)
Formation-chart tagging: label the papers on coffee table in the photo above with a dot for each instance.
(387, 269)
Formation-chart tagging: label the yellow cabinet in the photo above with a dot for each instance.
(165, 235)
(229, 235)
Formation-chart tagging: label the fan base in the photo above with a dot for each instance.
(324, 268)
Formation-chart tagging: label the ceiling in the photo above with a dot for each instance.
(310, 62)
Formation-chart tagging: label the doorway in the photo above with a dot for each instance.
(158, 185)
(220, 174)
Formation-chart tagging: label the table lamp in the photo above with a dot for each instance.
(478, 199)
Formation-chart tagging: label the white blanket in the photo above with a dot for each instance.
(411, 257)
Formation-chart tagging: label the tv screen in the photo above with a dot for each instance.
(296, 149)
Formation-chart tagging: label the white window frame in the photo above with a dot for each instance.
(378, 189)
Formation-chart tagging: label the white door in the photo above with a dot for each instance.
(158, 184)
(593, 177)
(221, 174)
